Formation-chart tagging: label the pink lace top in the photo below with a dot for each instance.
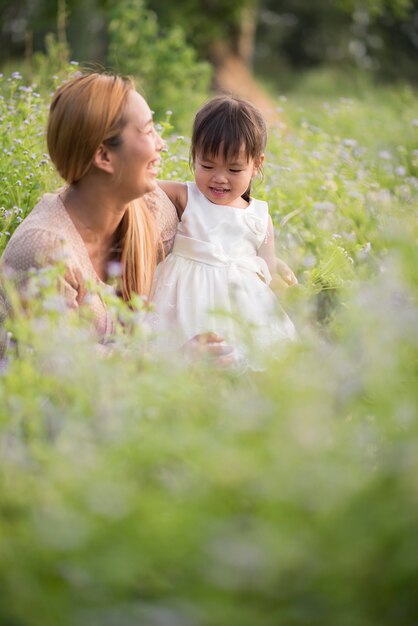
(48, 235)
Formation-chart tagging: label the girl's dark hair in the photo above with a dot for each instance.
(231, 122)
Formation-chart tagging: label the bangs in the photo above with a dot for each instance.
(220, 137)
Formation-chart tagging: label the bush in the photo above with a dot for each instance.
(169, 74)
(24, 163)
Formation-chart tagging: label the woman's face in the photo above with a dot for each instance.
(138, 156)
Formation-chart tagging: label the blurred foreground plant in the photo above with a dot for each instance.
(140, 490)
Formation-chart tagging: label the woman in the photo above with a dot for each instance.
(103, 143)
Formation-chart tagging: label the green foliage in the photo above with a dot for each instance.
(24, 162)
(134, 491)
(397, 8)
(334, 179)
(377, 36)
(166, 67)
(139, 490)
(204, 23)
(51, 66)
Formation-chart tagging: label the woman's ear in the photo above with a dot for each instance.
(103, 159)
(258, 164)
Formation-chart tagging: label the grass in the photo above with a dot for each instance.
(136, 490)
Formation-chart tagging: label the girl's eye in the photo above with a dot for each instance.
(235, 171)
(206, 167)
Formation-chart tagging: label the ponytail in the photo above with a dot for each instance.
(139, 246)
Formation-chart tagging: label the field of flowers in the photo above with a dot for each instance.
(141, 491)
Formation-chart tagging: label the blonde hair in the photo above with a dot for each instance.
(85, 112)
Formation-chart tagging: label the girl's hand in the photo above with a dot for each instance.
(210, 345)
(285, 273)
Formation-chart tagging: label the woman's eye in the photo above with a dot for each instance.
(149, 129)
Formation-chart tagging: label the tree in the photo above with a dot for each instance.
(379, 36)
(165, 65)
(223, 32)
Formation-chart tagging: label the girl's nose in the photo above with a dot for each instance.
(219, 175)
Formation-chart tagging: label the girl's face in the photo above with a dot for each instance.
(224, 181)
(138, 157)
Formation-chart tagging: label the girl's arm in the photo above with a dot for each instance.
(285, 272)
(177, 192)
(268, 253)
(266, 250)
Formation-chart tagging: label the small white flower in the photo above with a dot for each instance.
(350, 143)
(114, 269)
(385, 154)
(56, 303)
(324, 206)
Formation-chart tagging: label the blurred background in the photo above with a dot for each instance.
(178, 51)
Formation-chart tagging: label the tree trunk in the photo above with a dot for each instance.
(232, 62)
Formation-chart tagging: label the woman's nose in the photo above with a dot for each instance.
(159, 142)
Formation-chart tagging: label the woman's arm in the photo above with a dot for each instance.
(38, 249)
(177, 192)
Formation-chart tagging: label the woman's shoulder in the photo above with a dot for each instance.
(165, 215)
(41, 237)
(160, 205)
(48, 215)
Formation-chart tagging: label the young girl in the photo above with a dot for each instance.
(217, 276)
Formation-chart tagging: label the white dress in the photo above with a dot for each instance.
(213, 279)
